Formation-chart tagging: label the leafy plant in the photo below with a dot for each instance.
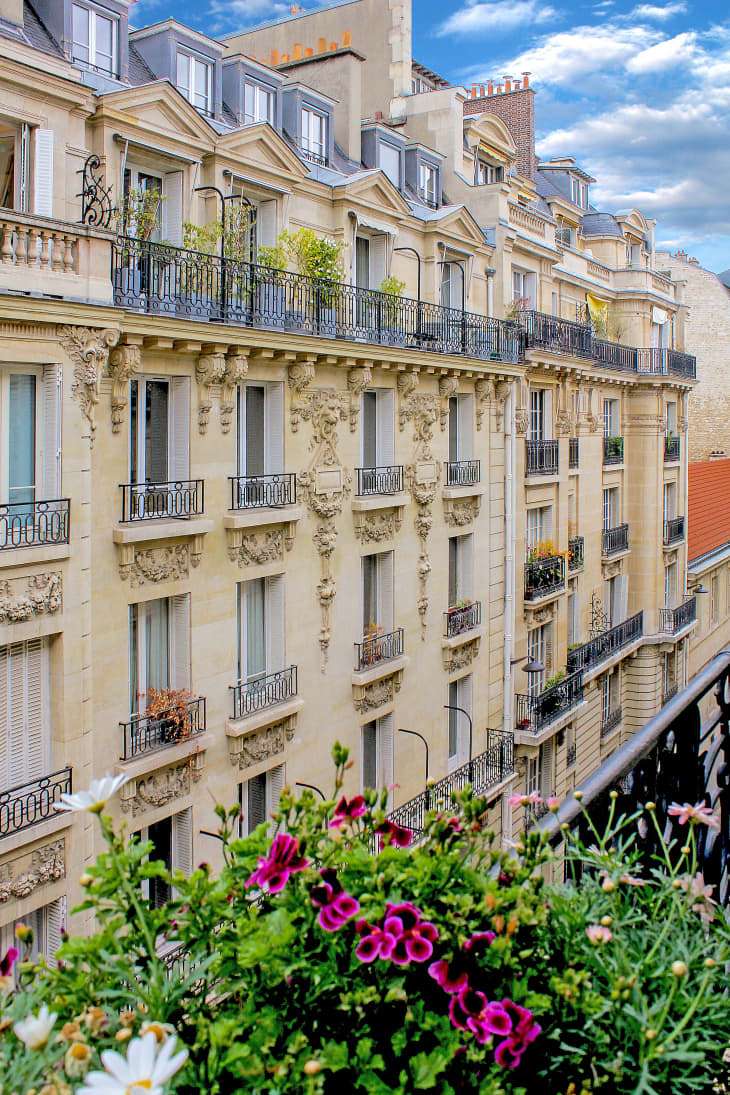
(393, 286)
(556, 679)
(317, 257)
(138, 214)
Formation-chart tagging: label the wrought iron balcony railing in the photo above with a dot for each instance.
(614, 540)
(672, 448)
(483, 772)
(541, 457)
(613, 450)
(158, 278)
(672, 620)
(670, 691)
(614, 355)
(573, 452)
(374, 649)
(151, 501)
(462, 473)
(260, 491)
(532, 713)
(606, 643)
(571, 754)
(560, 336)
(674, 530)
(462, 618)
(385, 480)
(28, 803)
(544, 576)
(666, 362)
(611, 721)
(34, 524)
(146, 733)
(312, 157)
(266, 691)
(576, 548)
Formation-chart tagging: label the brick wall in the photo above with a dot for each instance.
(517, 111)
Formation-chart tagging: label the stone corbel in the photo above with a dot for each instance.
(359, 378)
(236, 368)
(210, 369)
(459, 657)
(124, 362)
(372, 528)
(484, 391)
(407, 384)
(300, 377)
(380, 693)
(501, 393)
(88, 349)
(196, 550)
(245, 750)
(447, 388)
(462, 511)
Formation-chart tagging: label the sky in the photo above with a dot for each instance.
(638, 92)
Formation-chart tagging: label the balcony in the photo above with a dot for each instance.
(164, 280)
(373, 650)
(148, 733)
(484, 772)
(385, 480)
(615, 356)
(32, 802)
(250, 697)
(559, 336)
(666, 362)
(312, 157)
(533, 713)
(34, 524)
(673, 530)
(611, 721)
(541, 457)
(669, 692)
(614, 540)
(672, 620)
(576, 546)
(40, 255)
(671, 448)
(613, 450)
(544, 576)
(462, 473)
(155, 501)
(606, 643)
(461, 619)
(573, 453)
(263, 491)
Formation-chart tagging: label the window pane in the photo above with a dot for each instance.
(104, 51)
(201, 79)
(370, 755)
(390, 162)
(255, 629)
(80, 33)
(369, 592)
(369, 429)
(183, 73)
(453, 719)
(21, 464)
(158, 644)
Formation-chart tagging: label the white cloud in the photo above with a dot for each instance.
(496, 15)
(673, 51)
(653, 11)
(233, 15)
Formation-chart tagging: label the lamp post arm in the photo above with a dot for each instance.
(311, 787)
(453, 707)
(416, 734)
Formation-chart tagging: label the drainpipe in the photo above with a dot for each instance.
(509, 552)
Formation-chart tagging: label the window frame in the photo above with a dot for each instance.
(259, 88)
(307, 114)
(428, 171)
(95, 14)
(193, 58)
(397, 150)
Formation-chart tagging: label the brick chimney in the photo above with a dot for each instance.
(516, 107)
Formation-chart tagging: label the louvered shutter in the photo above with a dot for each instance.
(180, 640)
(385, 454)
(266, 223)
(274, 783)
(43, 173)
(37, 709)
(464, 693)
(182, 841)
(623, 596)
(5, 707)
(172, 210)
(453, 570)
(180, 432)
(466, 567)
(465, 411)
(547, 424)
(546, 768)
(18, 693)
(55, 925)
(274, 435)
(369, 755)
(385, 746)
(255, 802)
(378, 255)
(50, 430)
(385, 590)
(275, 623)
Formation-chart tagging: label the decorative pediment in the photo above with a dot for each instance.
(374, 189)
(158, 108)
(633, 221)
(458, 223)
(490, 132)
(262, 145)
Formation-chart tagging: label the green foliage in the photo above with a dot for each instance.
(138, 213)
(559, 676)
(316, 257)
(394, 287)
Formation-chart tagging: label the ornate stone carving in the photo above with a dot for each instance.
(256, 550)
(88, 348)
(375, 695)
(300, 376)
(326, 483)
(462, 511)
(501, 393)
(407, 384)
(447, 388)
(259, 745)
(563, 424)
(42, 595)
(535, 616)
(124, 362)
(158, 788)
(325, 541)
(209, 370)
(459, 657)
(610, 570)
(372, 528)
(166, 564)
(522, 421)
(22, 876)
(236, 368)
(484, 392)
(422, 410)
(359, 378)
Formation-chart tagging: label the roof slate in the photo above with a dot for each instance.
(600, 224)
(708, 508)
(139, 71)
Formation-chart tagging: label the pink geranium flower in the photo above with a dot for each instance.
(390, 833)
(346, 812)
(524, 1031)
(699, 814)
(272, 872)
(335, 905)
(525, 800)
(598, 934)
(7, 963)
(402, 936)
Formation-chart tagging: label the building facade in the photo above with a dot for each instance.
(247, 512)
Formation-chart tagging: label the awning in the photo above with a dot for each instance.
(598, 310)
(366, 221)
(658, 315)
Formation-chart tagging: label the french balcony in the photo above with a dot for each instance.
(666, 362)
(263, 491)
(611, 721)
(29, 803)
(461, 619)
(673, 530)
(605, 644)
(672, 620)
(672, 448)
(377, 481)
(573, 453)
(544, 576)
(534, 713)
(484, 773)
(576, 546)
(34, 524)
(541, 457)
(462, 473)
(613, 451)
(312, 157)
(147, 733)
(375, 649)
(177, 499)
(164, 280)
(614, 540)
(250, 697)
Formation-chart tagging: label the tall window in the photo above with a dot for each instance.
(260, 429)
(539, 525)
(611, 508)
(314, 133)
(540, 414)
(258, 103)
(487, 173)
(377, 593)
(539, 649)
(94, 39)
(714, 599)
(460, 568)
(159, 430)
(260, 611)
(259, 798)
(428, 183)
(30, 435)
(452, 285)
(461, 418)
(159, 648)
(15, 143)
(377, 434)
(670, 501)
(377, 753)
(460, 695)
(389, 162)
(47, 924)
(611, 418)
(172, 844)
(195, 81)
(25, 712)
(573, 623)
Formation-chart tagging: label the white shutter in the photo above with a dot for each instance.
(546, 768)
(274, 433)
(385, 434)
(274, 623)
(37, 709)
(182, 841)
(255, 803)
(266, 223)
(465, 411)
(385, 590)
(43, 173)
(50, 479)
(385, 745)
(172, 209)
(466, 566)
(18, 692)
(55, 918)
(180, 640)
(5, 701)
(623, 596)
(464, 694)
(274, 784)
(180, 428)
(378, 246)
(607, 606)
(547, 424)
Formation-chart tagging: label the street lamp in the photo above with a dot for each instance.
(413, 251)
(311, 787)
(453, 707)
(417, 735)
(534, 665)
(223, 199)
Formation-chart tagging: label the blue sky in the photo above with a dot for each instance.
(638, 92)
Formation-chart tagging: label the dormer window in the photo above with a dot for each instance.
(578, 192)
(389, 162)
(428, 183)
(195, 81)
(314, 136)
(488, 173)
(94, 39)
(258, 103)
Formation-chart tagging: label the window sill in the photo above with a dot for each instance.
(263, 515)
(463, 637)
(32, 833)
(474, 491)
(164, 757)
(238, 728)
(386, 668)
(43, 553)
(363, 504)
(140, 532)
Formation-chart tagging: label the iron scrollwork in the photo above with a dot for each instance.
(96, 201)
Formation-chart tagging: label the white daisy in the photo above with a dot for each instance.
(93, 799)
(143, 1072)
(34, 1030)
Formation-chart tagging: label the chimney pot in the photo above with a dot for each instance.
(526, 80)
(284, 58)
(473, 91)
(308, 51)
(346, 38)
(297, 51)
(499, 89)
(517, 85)
(378, 115)
(490, 88)
(507, 84)
(274, 58)
(321, 45)
(481, 91)
(333, 45)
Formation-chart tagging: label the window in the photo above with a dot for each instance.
(579, 192)
(258, 798)
(460, 568)
(541, 414)
(547, 765)
(376, 766)
(428, 177)
(260, 613)
(258, 103)
(611, 418)
(573, 622)
(460, 695)
(194, 81)
(260, 429)
(615, 593)
(461, 418)
(523, 288)
(377, 593)
(47, 924)
(671, 418)
(161, 193)
(564, 236)
(611, 508)
(159, 648)
(389, 162)
(539, 649)
(571, 745)
(94, 39)
(172, 844)
(556, 304)
(670, 501)
(15, 167)
(314, 134)
(25, 712)
(531, 775)
(487, 173)
(159, 437)
(369, 267)
(452, 285)
(539, 525)
(30, 434)
(377, 434)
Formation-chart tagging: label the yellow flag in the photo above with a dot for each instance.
(598, 310)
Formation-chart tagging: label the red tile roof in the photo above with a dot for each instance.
(708, 517)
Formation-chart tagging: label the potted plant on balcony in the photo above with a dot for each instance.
(270, 286)
(391, 334)
(137, 218)
(320, 259)
(371, 651)
(168, 714)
